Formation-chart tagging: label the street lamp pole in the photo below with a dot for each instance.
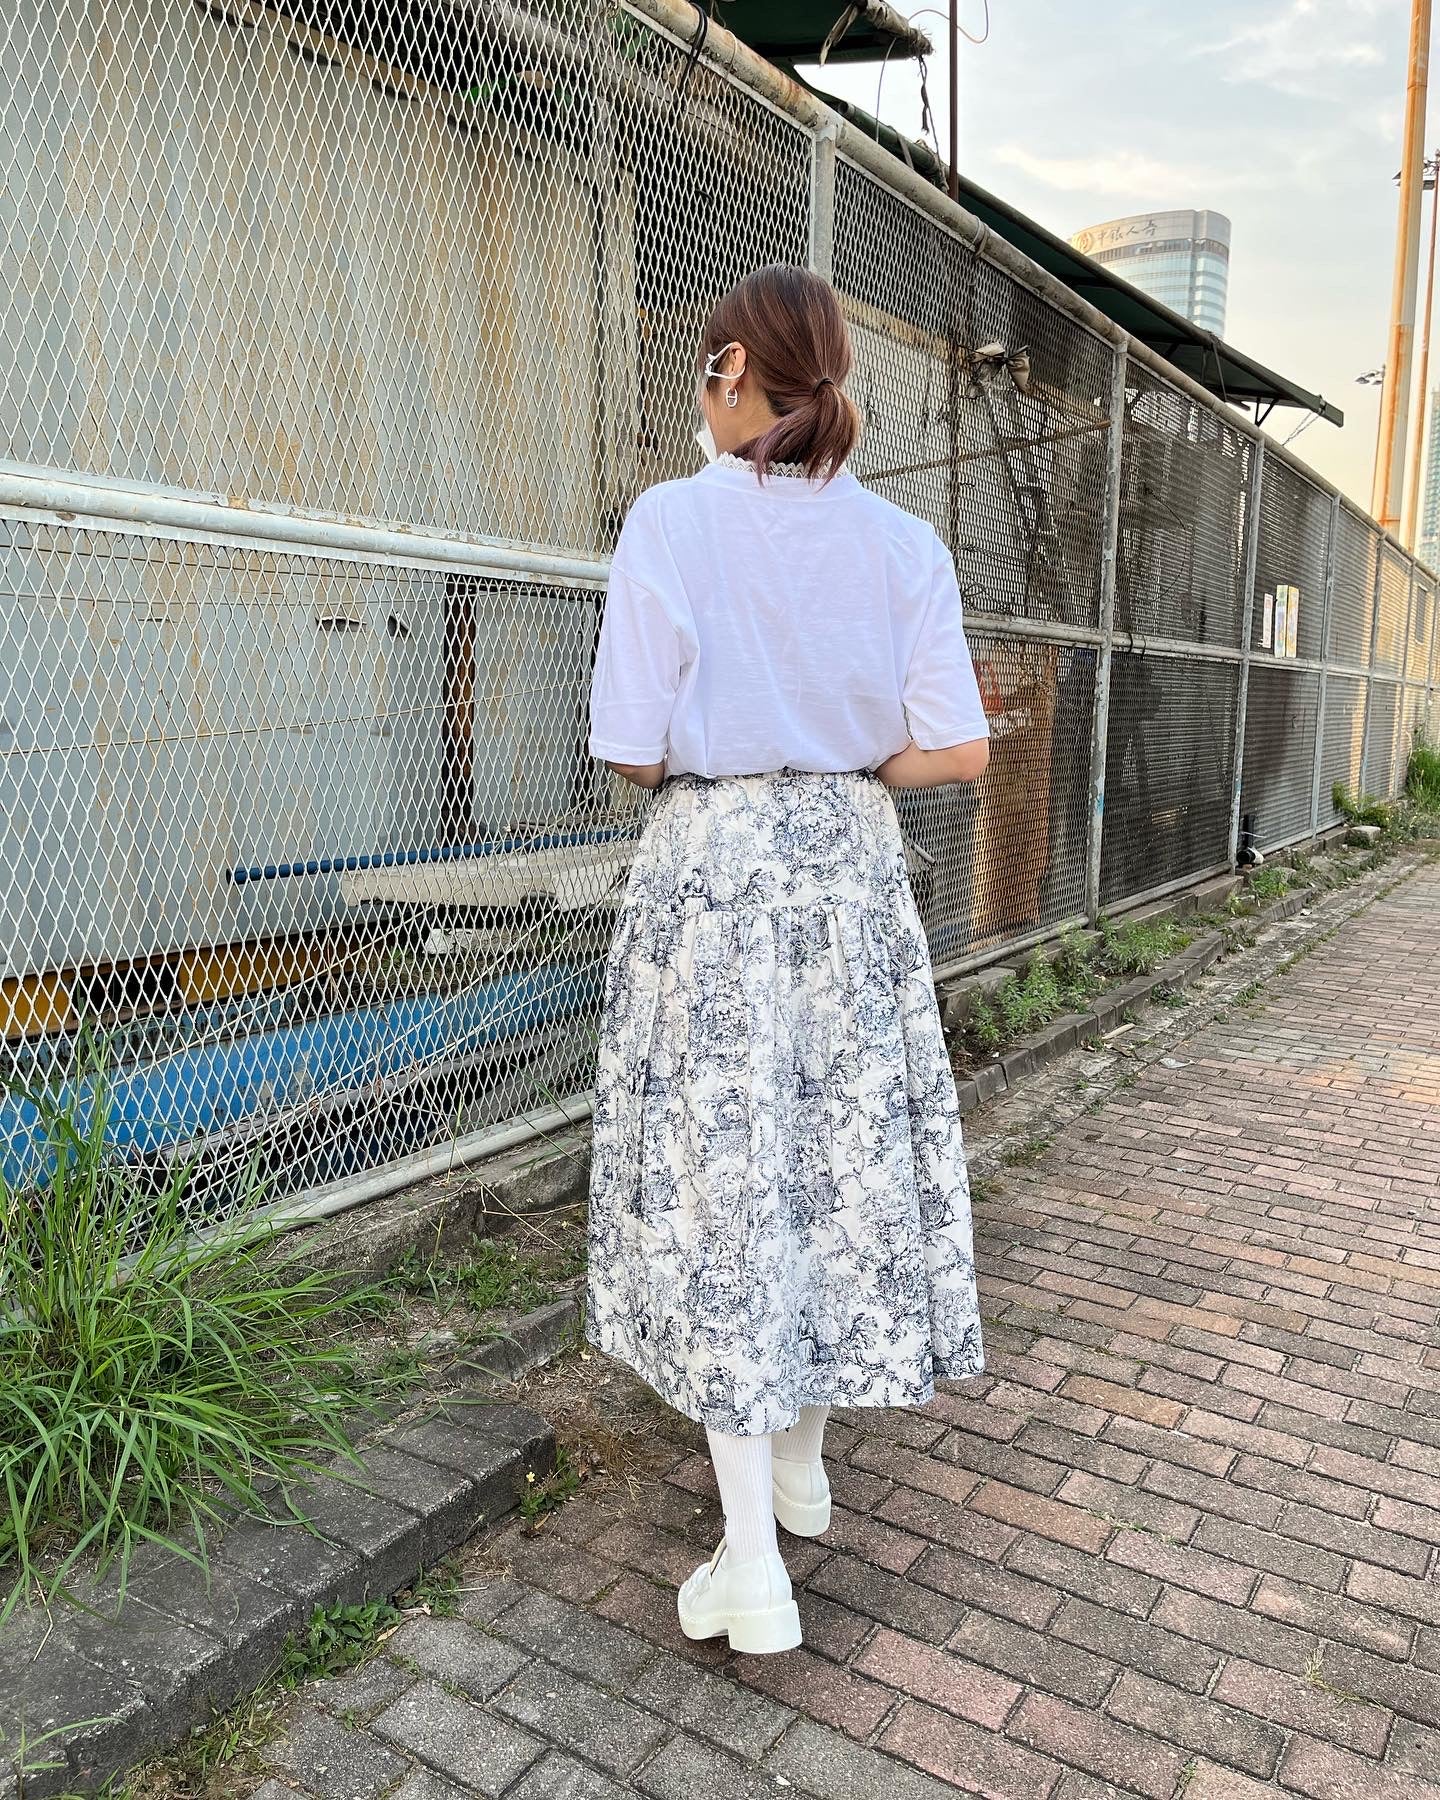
(1422, 397)
(1386, 490)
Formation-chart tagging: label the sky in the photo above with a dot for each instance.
(1283, 114)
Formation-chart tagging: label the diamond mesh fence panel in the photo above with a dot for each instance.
(347, 899)
(1291, 558)
(1170, 753)
(305, 824)
(1342, 742)
(1352, 606)
(1278, 772)
(1017, 486)
(1184, 493)
(1382, 728)
(1394, 619)
(1006, 858)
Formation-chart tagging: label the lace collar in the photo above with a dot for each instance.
(791, 471)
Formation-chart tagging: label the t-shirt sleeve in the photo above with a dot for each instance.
(942, 696)
(637, 670)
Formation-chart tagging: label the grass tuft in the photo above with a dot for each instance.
(147, 1379)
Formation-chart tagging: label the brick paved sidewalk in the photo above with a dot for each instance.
(1180, 1538)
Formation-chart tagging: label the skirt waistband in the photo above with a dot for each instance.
(768, 775)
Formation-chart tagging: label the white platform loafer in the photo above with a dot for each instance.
(802, 1496)
(751, 1603)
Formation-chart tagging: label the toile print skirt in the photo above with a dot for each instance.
(779, 1207)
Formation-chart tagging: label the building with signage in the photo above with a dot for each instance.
(1179, 258)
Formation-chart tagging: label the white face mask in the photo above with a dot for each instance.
(705, 438)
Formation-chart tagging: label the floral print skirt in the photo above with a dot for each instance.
(779, 1208)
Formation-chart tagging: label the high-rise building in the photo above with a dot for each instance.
(1427, 538)
(1180, 258)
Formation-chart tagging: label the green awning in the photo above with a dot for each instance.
(1219, 367)
(787, 31)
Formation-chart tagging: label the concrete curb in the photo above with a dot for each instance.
(117, 1690)
(1028, 1055)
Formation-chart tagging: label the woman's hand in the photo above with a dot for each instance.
(644, 775)
(913, 767)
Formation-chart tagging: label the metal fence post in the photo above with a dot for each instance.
(1247, 633)
(1331, 555)
(1370, 668)
(822, 198)
(1109, 568)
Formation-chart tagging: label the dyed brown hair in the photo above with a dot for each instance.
(797, 346)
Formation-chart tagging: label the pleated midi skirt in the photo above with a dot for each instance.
(779, 1206)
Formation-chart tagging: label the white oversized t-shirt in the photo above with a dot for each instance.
(749, 628)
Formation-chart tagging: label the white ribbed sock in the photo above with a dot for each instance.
(801, 1443)
(742, 1469)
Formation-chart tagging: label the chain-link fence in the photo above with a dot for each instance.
(336, 337)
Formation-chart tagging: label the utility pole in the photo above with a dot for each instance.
(1387, 488)
(1417, 434)
(955, 99)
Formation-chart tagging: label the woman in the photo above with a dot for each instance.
(779, 1212)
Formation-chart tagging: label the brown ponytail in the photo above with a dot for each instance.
(797, 346)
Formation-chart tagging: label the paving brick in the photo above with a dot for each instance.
(1111, 1397)
(457, 1654)
(964, 1756)
(1234, 1629)
(828, 1766)
(1140, 1645)
(851, 1703)
(685, 1768)
(711, 1706)
(1183, 1565)
(568, 1635)
(1304, 1704)
(1268, 1551)
(1321, 1772)
(1134, 1506)
(1047, 1518)
(917, 1610)
(473, 1748)
(1034, 1657)
(1209, 1781)
(954, 1526)
(1081, 1737)
(940, 1677)
(642, 1607)
(1334, 1616)
(871, 1539)
(1197, 1723)
(1096, 1578)
(987, 1585)
(332, 1758)
(601, 1728)
(558, 1777)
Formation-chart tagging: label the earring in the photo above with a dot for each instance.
(732, 396)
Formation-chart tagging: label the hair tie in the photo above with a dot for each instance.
(824, 381)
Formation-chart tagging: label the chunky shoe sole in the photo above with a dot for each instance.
(801, 1518)
(752, 1634)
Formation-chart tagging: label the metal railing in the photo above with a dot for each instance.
(336, 337)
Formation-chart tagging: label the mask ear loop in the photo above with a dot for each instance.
(732, 396)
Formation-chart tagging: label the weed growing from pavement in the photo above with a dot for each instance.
(495, 1275)
(548, 1493)
(146, 1376)
(1065, 981)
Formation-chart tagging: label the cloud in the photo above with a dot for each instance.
(1130, 174)
(1307, 49)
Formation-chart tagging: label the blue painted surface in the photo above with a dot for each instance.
(206, 1088)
